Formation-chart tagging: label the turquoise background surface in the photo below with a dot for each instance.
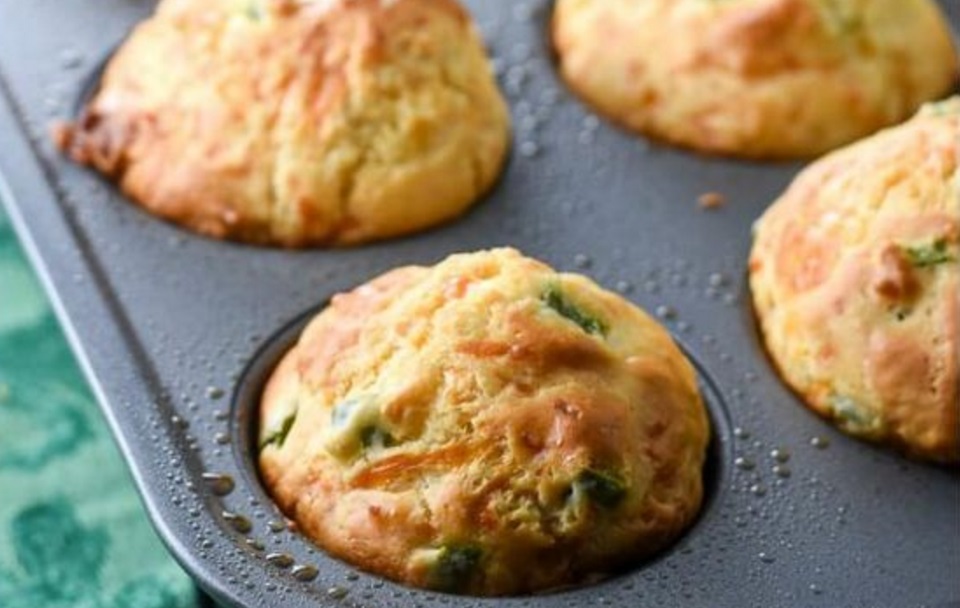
(72, 531)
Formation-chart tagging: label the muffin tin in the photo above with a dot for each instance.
(176, 333)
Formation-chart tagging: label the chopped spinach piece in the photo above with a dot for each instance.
(253, 11)
(923, 256)
(605, 489)
(839, 18)
(851, 415)
(455, 566)
(279, 436)
(342, 411)
(356, 423)
(941, 108)
(555, 299)
(375, 437)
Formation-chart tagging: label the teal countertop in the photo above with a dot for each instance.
(73, 532)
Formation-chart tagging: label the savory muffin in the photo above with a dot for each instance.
(856, 281)
(485, 426)
(298, 122)
(755, 78)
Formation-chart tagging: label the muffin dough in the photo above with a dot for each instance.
(485, 426)
(755, 78)
(856, 282)
(299, 123)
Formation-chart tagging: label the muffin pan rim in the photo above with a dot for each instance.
(244, 411)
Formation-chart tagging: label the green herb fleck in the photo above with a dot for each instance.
(375, 437)
(948, 107)
(279, 436)
(605, 489)
(455, 566)
(924, 256)
(852, 416)
(555, 299)
(253, 11)
(839, 18)
(342, 412)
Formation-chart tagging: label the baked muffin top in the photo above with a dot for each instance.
(298, 123)
(855, 274)
(756, 78)
(485, 426)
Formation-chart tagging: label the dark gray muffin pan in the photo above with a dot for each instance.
(176, 333)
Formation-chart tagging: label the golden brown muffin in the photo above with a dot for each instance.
(755, 78)
(299, 122)
(856, 282)
(485, 426)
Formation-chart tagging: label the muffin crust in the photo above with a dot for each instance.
(855, 273)
(755, 78)
(485, 426)
(298, 123)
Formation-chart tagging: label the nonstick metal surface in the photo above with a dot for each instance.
(176, 332)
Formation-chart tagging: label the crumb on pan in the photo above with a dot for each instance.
(711, 200)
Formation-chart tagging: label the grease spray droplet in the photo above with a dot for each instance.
(666, 312)
(717, 279)
(338, 593)
(529, 149)
(219, 483)
(780, 455)
(280, 560)
(70, 59)
(304, 572)
(238, 522)
(215, 392)
(821, 443)
(744, 464)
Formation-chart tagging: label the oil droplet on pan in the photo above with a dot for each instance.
(304, 572)
(780, 455)
(280, 560)
(238, 522)
(220, 484)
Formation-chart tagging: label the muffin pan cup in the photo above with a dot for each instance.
(176, 333)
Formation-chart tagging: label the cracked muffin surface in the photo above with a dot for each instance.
(855, 273)
(485, 426)
(755, 78)
(298, 123)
